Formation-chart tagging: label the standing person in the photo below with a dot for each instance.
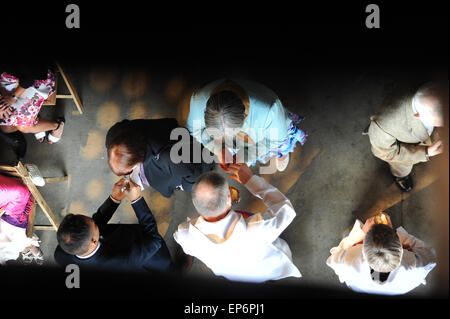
(246, 113)
(92, 242)
(16, 203)
(240, 246)
(376, 259)
(141, 150)
(404, 133)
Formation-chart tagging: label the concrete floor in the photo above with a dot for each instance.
(331, 180)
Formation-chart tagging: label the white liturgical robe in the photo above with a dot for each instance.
(244, 249)
(348, 262)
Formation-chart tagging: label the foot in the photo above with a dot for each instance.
(282, 163)
(56, 134)
(404, 183)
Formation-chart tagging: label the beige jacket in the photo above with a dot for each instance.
(396, 135)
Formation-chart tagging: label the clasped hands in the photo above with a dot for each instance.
(132, 190)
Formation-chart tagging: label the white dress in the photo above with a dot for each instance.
(244, 249)
(348, 263)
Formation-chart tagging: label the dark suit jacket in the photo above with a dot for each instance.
(124, 247)
(161, 172)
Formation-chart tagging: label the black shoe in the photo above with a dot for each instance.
(404, 183)
(17, 141)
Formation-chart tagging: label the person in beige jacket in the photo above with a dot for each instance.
(403, 133)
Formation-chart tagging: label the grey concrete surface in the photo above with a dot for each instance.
(331, 180)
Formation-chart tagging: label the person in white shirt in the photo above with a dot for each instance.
(375, 259)
(239, 246)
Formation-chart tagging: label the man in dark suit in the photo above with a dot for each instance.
(141, 149)
(93, 242)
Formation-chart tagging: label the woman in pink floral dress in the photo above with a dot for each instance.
(21, 101)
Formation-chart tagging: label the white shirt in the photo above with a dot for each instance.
(348, 263)
(91, 254)
(416, 107)
(244, 249)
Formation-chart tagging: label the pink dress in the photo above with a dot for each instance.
(27, 107)
(16, 203)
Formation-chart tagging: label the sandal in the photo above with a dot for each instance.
(28, 257)
(35, 174)
(39, 258)
(40, 136)
(54, 139)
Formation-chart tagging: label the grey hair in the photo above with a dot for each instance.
(224, 111)
(382, 248)
(214, 203)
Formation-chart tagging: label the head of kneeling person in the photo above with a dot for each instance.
(125, 148)
(211, 196)
(382, 248)
(78, 235)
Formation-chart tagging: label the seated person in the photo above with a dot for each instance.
(92, 242)
(240, 246)
(16, 204)
(376, 259)
(23, 90)
(141, 149)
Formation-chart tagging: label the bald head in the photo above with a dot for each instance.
(211, 195)
(429, 102)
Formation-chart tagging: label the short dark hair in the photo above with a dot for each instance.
(74, 234)
(126, 134)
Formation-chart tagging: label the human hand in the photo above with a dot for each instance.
(436, 148)
(368, 224)
(117, 193)
(6, 101)
(133, 191)
(5, 112)
(239, 172)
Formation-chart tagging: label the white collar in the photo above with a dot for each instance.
(415, 111)
(91, 254)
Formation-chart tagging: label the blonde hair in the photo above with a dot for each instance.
(382, 248)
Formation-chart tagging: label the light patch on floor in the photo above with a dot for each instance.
(175, 89)
(390, 196)
(95, 189)
(183, 108)
(102, 80)
(108, 114)
(94, 145)
(284, 181)
(78, 207)
(160, 207)
(158, 116)
(134, 85)
(138, 111)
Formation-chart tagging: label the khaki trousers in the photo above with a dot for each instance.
(399, 170)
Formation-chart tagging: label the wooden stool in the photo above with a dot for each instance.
(20, 171)
(73, 93)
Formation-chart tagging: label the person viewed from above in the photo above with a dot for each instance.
(16, 203)
(238, 245)
(141, 151)
(404, 133)
(374, 258)
(23, 90)
(92, 242)
(248, 118)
